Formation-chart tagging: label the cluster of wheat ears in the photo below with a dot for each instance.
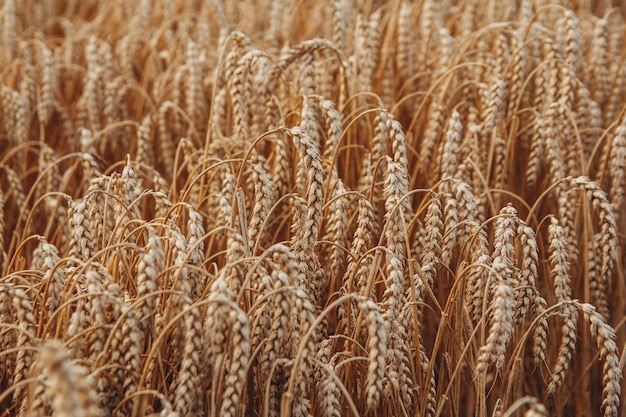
(312, 208)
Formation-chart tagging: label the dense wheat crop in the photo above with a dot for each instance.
(324, 208)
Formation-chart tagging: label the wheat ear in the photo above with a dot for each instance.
(563, 292)
(72, 390)
(611, 371)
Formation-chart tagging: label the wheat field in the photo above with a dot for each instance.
(312, 208)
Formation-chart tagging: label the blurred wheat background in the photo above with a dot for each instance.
(312, 208)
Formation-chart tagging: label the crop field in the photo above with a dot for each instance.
(318, 208)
